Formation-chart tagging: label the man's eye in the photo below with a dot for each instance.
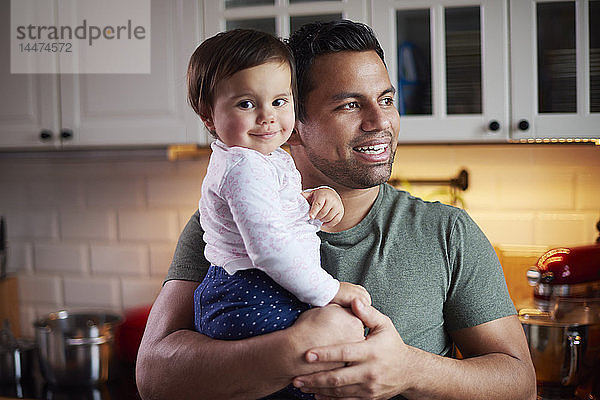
(388, 101)
(246, 104)
(349, 106)
(279, 102)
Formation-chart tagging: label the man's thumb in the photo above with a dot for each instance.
(369, 316)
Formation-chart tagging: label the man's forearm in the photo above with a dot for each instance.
(175, 362)
(491, 376)
(186, 365)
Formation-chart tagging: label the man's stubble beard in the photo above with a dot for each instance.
(353, 174)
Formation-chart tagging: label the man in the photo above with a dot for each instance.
(433, 277)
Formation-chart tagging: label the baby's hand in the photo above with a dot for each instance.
(349, 292)
(325, 205)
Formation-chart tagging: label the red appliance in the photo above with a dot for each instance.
(129, 334)
(563, 329)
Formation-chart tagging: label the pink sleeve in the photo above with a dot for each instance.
(250, 189)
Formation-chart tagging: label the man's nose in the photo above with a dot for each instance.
(375, 119)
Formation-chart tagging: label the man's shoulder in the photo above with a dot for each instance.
(399, 200)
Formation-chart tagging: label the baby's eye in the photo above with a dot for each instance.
(279, 102)
(246, 104)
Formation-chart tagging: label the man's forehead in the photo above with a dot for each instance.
(350, 71)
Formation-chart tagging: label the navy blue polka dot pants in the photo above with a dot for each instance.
(248, 303)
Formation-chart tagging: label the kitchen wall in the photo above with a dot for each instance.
(99, 232)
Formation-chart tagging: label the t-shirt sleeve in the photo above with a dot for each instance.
(189, 263)
(478, 291)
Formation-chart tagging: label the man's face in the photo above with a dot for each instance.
(350, 134)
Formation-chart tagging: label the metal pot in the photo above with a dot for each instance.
(75, 348)
(563, 353)
(16, 362)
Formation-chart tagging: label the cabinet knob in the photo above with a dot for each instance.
(523, 125)
(45, 135)
(494, 125)
(66, 134)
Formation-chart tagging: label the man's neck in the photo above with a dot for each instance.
(357, 204)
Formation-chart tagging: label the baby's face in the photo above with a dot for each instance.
(254, 108)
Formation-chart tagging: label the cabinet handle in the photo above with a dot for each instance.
(494, 125)
(45, 135)
(66, 134)
(523, 125)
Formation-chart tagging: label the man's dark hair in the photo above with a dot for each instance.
(222, 55)
(320, 38)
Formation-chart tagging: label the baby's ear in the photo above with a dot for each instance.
(208, 122)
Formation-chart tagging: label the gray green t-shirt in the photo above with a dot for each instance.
(426, 265)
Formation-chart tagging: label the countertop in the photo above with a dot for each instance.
(120, 386)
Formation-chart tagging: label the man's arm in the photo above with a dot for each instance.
(175, 362)
(497, 364)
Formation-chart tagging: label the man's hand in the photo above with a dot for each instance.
(323, 326)
(373, 367)
(325, 205)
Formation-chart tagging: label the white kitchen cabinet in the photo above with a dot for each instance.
(29, 103)
(106, 110)
(448, 60)
(279, 17)
(555, 67)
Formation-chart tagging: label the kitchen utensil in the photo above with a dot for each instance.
(16, 356)
(563, 330)
(76, 348)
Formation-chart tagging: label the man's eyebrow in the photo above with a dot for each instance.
(356, 95)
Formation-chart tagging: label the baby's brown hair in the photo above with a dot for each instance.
(222, 55)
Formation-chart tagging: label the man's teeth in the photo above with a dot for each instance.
(377, 149)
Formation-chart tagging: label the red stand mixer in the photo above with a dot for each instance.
(563, 327)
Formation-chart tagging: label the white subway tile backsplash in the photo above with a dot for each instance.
(61, 257)
(590, 221)
(116, 193)
(535, 190)
(185, 215)
(148, 225)
(139, 292)
(174, 192)
(560, 229)
(97, 292)
(588, 190)
(119, 259)
(27, 317)
(160, 259)
(88, 224)
(507, 228)
(40, 289)
(64, 193)
(14, 194)
(32, 224)
(19, 257)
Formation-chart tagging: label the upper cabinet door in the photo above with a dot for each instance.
(555, 55)
(448, 61)
(139, 109)
(279, 17)
(29, 104)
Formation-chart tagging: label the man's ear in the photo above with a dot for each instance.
(294, 139)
